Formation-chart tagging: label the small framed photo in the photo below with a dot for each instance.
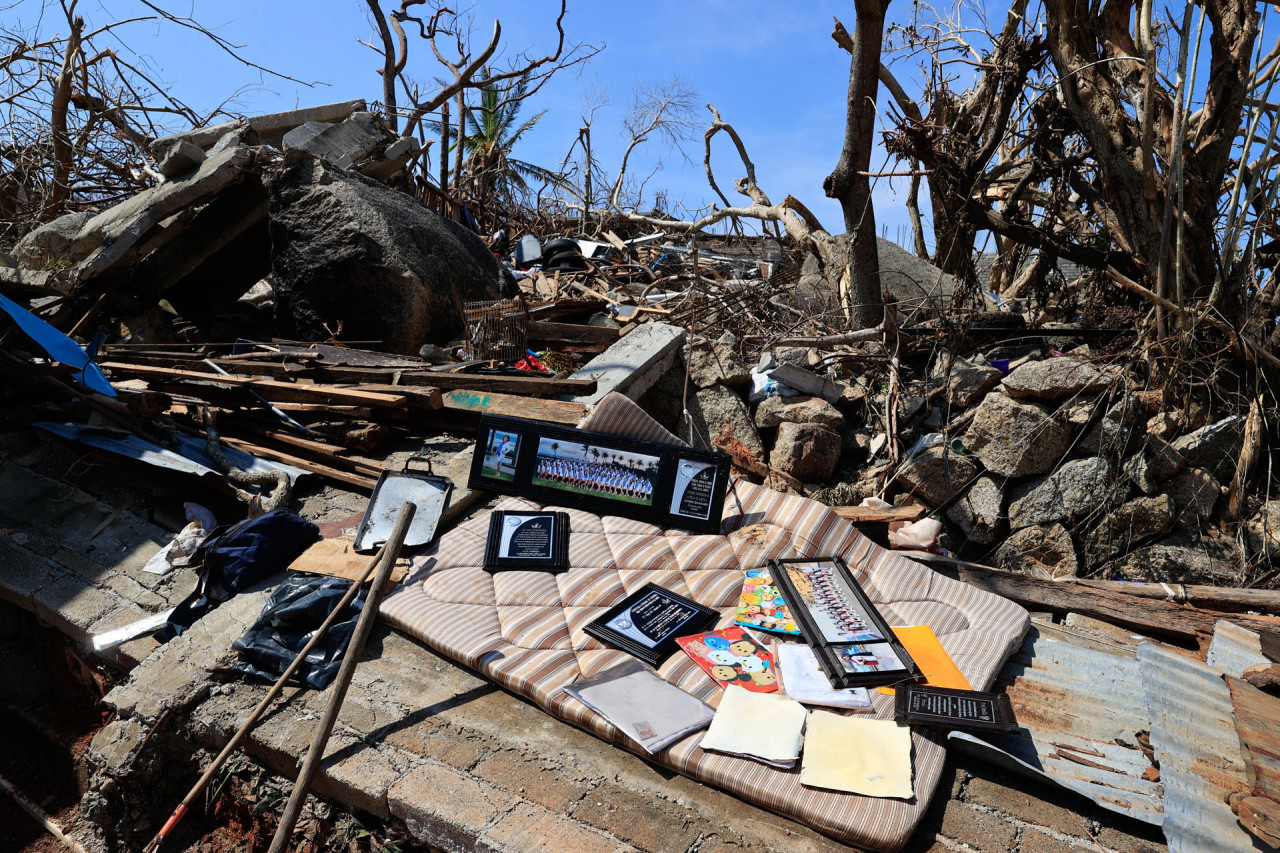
(647, 623)
(528, 541)
(663, 484)
(850, 638)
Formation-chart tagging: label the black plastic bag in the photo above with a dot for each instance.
(238, 556)
(288, 622)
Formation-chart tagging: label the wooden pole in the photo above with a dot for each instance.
(275, 691)
(355, 647)
(41, 816)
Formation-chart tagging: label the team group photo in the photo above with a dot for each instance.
(600, 471)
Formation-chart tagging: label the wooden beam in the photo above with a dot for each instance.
(1228, 599)
(443, 380)
(860, 514)
(483, 402)
(571, 333)
(1146, 615)
(268, 388)
(360, 481)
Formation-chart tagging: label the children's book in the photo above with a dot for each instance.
(762, 606)
(730, 656)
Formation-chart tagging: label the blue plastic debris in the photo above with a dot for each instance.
(58, 346)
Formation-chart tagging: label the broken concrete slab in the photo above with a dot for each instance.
(266, 129)
(181, 159)
(808, 382)
(634, 364)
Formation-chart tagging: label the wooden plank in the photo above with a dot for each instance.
(268, 388)
(482, 402)
(351, 479)
(337, 558)
(1227, 599)
(859, 514)
(1149, 616)
(442, 380)
(573, 333)
(418, 396)
(281, 437)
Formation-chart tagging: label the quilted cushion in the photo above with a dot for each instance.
(525, 629)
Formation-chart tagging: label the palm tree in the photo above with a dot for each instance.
(489, 135)
(555, 447)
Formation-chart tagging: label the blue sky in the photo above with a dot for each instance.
(771, 69)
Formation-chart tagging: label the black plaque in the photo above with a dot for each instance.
(695, 488)
(648, 621)
(954, 709)
(529, 541)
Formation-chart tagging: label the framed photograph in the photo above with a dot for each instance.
(647, 623)
(663, 484)
(527, 541)
(850, 638)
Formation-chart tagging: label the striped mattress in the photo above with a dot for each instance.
(524, 629)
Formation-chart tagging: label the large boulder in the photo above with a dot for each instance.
(348, 250)
(1055, 378)
(773, 411)
(1075, 490)
(808, 452)
(979, 511)
(965, 382)
(1195, 493)
(1140, 518)
(1215, 447)
(717, 410)
(1041, 550)
(936, 476)
(1015, 439)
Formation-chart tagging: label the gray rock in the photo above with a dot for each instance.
(798, 410)
(1153, 464)
(182, 159)
(1013, 438)
(979, 512)
(1042, 550)
(1262, 532)
(936, 477)
(1078, 411)
(716, 410)
(967, 382)
(808, 452)
(1078, 488)
(1215, 447)
(1114, 433)
(54, 242)
(1195, 493)
(1129, 523)
(1054, 378)
(346, 249)
(709, 364)
(1180, 559)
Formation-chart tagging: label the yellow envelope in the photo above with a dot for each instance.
(869, 757)
(926, 649)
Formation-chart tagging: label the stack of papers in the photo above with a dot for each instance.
(643, 706)
(802, 678)
(768, 727)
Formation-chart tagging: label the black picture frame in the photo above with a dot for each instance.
(663, 484)
(503, 553)
(659, 607)
(949, 708)
(836, 617)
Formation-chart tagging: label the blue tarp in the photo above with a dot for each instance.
(58, 346)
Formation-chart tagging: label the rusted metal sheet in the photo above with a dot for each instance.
(1201, 758)
(1082, 716)
(1258, 721)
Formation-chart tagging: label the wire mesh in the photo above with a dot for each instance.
(498, 329)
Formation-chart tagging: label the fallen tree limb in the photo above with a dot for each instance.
(875, 334)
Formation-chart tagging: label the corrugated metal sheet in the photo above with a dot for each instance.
(1201, 758)
(1233, 648)
(1080, 706)
(1258, 721)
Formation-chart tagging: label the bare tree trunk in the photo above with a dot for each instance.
(62, 149)
(848, 183)
(444, 159)
(457, 142)
(389, 70)
(586, 177)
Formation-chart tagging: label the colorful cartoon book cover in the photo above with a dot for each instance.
(730, 656)
(762, 606)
